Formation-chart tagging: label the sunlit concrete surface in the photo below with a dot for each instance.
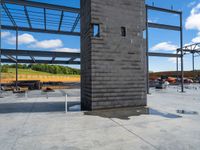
(39, 122)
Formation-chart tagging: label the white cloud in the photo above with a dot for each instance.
(165, 46)
(5, 34)
(191, 4)
(196, 39)
(22, 39)
(46, 44)
(32, 42)
(66, 50)
(193, 21)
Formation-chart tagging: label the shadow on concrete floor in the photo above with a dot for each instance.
(126, 113)
(32, 107)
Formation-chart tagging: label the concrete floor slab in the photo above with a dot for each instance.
(41, 123)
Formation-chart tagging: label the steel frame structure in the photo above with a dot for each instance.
(165, 27)
(17, 16)
(11, 54)
(193, 49)
(72, 30)
(29, 18)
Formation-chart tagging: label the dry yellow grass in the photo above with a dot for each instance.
(43, 78)
(33, 75)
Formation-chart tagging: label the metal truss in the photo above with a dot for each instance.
(68, 57)
(18, 13)
(193, 49)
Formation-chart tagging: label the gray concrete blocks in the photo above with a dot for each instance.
(113, 65)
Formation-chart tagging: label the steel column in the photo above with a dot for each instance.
(0, 55)
(193, 67)
(16, 60)
(177, 66)
(147, 51)
(181, 45)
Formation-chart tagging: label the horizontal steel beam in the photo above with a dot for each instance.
(163, 26)
(42, 5)
(40, 30)
(190, 51)
(163, 10)
(26, 61)
(163, 55)
(31, 53)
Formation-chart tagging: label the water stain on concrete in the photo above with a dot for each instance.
(126, 113)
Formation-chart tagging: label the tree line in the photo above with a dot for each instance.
(54, 69)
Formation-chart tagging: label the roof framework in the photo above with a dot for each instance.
(39, 17)
(64, 57)
(193, 49)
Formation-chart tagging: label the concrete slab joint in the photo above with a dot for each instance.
(113, 64)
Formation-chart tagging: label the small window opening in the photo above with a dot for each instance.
(96, 30)
(123, 31)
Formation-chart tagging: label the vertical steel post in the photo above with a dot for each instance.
(0, 54)
(16, 60)
(193, 67)
(147, 52)
(181, 45)
(177, 66)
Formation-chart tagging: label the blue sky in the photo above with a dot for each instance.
(160, 40)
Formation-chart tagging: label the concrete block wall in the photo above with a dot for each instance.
(113, 66)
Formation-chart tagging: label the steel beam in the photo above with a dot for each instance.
(11, 58)
(163, 9)
(39, 53)
(163, 55)
(190, 51)
(40, 30)
(45, 20)
(163, 26)
(9, 15)
(33, 59)
(61, 19)
(27, 17)
(72, 59)
(53, 59)
(75, 23)
(42, 5)
(26, 61)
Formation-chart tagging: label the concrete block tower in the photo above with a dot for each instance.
(113, 67)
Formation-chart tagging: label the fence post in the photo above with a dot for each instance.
(66, 106)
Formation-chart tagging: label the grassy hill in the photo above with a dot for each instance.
(29, 74)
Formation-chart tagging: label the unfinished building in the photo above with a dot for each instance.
(114, 54)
